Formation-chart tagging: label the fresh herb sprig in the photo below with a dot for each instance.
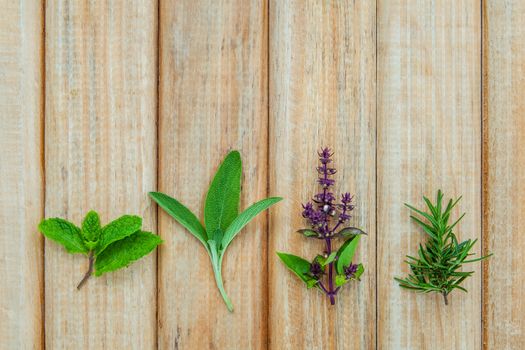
(327, 219)
(107, 248)
(222, 221)
(438, 267)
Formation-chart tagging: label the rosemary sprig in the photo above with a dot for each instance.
(438, 266)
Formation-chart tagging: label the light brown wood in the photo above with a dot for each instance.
(100, 126)
(21, 174)
(429, 138)
(322, 92)
(213, 98)
(504, 174)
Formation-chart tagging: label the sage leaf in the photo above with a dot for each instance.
(346, 253)
(245, 217)
(182, 215)
(118, 229)
(222, 200)
(125, 251)
(65, 233)
(221, 215)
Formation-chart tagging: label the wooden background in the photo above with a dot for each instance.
(103, 101)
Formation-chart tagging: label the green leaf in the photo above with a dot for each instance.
(297, 265)
(65, 233)
(325, 261)
(359, 272)
(125, 251)
(91, 227)
(350, 232)
(222, 200)
(216, 262)
(182, 215)
(118, 229)
(346, 253)
(308, 232)
(245, 217)
(340, 280)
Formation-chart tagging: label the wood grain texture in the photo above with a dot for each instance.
(100, 154)
(429, 138)
(504, 175)
(21, 174)
(322, 92)
(213, 98)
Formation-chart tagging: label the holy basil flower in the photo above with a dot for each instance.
(326, 218)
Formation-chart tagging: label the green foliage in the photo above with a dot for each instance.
(438, 266)
(221, 214)
(109, 248)
(125, 251)
(298, 266)
(346, 253)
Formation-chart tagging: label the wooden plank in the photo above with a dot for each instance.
(503, 175)
(100, 154)
(429, 137)
(213, 98)
(322, 92)
(21, 174)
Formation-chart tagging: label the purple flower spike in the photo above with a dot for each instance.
(316, 270)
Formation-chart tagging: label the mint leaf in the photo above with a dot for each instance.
(245, 217)
(346, 253)
(297, 265)
(118, 229)
(125, 251)
(182, 215)
(91, 226)
(65, 233)
(222, 200)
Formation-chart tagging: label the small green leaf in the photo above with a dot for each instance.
(297, 265)
(340, 280)
(125, 251)
(245, 217)
(308, 232)
(312, 282)
(118, 229)
(65, 233)
(182, 215)
(91, 227)
(222, 200)
(359, 272)
(329, 259)
(350, 232)
(346, 253)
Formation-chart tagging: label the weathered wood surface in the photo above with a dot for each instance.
(213, 98)
(100, 151)
(322, 92)
(125, 97)
(21, 174)
(429, 138)
(504, 173)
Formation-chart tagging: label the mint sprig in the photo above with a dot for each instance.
(108, 248)
(221, 215)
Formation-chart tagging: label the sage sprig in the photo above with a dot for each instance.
(327, 218)
(108, 248)
(438, 266)
(222, 221)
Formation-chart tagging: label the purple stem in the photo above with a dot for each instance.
(331, 292)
